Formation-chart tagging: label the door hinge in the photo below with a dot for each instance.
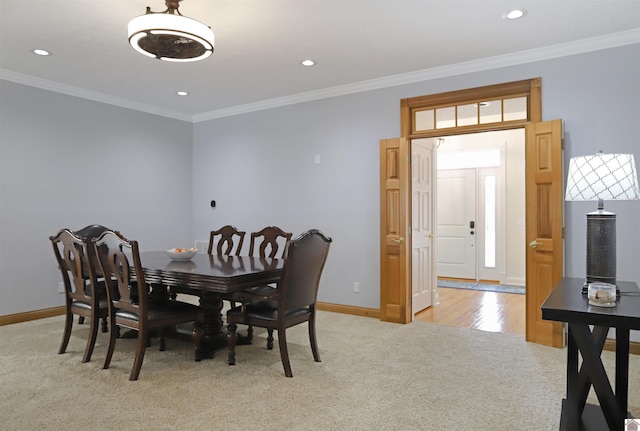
(563, 232)
(562, 143)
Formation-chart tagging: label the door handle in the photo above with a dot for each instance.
(534, 244)
(398, 240)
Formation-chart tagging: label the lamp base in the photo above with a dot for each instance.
(601, 247)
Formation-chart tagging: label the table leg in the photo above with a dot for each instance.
(573, 407)
(584, 383)
(594, 368)
(213, 337)
(622, 369)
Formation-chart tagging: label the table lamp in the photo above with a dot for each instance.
(599, 177)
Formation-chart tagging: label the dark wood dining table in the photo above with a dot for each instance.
(212, 278)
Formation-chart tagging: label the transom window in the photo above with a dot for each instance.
(494, 107)
(471, 114)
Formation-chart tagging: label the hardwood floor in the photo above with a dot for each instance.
(487, 311)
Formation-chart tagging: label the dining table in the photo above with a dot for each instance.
(212, 278)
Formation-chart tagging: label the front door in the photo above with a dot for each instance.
(456, 210)
(422, 224)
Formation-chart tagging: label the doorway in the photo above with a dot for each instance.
(505, 106)
(480, 214)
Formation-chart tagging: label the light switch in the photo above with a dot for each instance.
(317, 159)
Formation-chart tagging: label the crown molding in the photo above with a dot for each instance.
(555, 51)
(561, 50)
(71, 90)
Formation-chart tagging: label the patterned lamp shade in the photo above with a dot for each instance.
(602, 176)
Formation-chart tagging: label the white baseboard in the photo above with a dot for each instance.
(516, 281)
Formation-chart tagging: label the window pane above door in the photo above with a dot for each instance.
(424, 120)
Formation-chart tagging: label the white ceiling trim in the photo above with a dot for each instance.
(71, 90)
(561, 50)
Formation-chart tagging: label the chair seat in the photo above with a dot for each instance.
(164, 310)
(257, 296)
(253, 311)
(103, 306)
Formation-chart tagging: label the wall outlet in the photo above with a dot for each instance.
(61, 287)
(356, 287)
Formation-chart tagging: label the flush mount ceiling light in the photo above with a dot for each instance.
(170, 36)
(307, 63)
(41, 52)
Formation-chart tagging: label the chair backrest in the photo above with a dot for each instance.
(267, 239)
(126, 287)
(306, 256)
(88, 233)
(71, 252)
(226, 244)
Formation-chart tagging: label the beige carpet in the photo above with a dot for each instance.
(374, 376)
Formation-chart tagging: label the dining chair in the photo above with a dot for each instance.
(85, 296)
(130, 305)
(271, 242)
(87, 233)
(293, 301)
(225, 238)
(270, 239)
(228, 241)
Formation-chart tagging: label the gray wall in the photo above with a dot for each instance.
(260, 169)
(67, 162)
(260, 166)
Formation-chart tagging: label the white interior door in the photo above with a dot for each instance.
(422, 224)
(456, 230)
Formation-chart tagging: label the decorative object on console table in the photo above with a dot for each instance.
(602, 294)
(599, 177)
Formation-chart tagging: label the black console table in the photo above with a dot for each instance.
(566, 303)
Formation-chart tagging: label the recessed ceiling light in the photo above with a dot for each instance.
(308, 63)
(515, 14)
(182, 93)
(41, 52)
(483, 104)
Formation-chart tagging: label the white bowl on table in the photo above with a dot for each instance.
(181, 254)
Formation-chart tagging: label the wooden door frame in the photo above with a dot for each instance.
(530, 88)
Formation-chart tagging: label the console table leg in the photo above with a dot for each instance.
(592, 365)
(622, 369)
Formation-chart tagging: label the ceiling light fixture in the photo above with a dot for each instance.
(182, 93)
(41, 52)
(170, 36)
(514, 14)
(308, 63)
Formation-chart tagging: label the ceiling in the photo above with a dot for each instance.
(357, 45)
